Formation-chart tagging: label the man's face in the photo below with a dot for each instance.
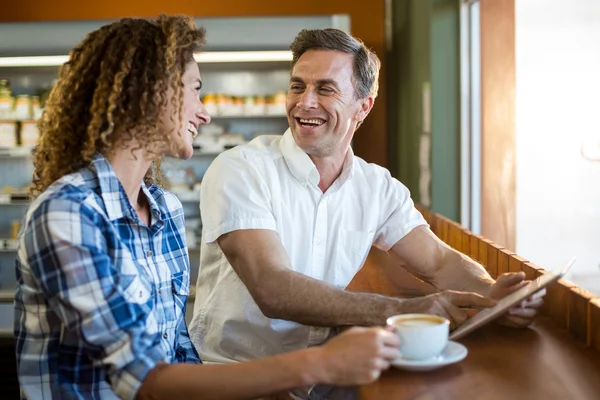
(322, 108)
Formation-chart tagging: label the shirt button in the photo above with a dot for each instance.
(165, 335)
(156, 213)
(149, 253)
(318, 241)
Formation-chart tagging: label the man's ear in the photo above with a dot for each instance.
(366, 104)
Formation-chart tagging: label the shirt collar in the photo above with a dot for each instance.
(302, 167)
(113, 194)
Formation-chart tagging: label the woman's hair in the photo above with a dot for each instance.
(112, 91)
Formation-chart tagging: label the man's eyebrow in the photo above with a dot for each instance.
(320, 82)
(328, 82)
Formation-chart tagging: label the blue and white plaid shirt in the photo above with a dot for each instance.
(100, 297)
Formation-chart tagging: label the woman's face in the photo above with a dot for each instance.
(193, 114)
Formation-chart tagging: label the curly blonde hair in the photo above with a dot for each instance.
(115, 81)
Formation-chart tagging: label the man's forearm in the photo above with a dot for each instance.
(263, 265)
(459, 272)
(296, 297)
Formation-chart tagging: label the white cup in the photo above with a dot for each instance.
(422, 336)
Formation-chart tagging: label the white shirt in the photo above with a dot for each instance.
(270, 183)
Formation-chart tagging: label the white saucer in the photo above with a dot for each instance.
(454, 352)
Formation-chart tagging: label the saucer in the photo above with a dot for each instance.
(454, 352)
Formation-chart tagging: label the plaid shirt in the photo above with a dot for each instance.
(100, 297)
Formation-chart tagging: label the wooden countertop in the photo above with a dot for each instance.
(544, 361)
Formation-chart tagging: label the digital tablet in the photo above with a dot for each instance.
(504, 304)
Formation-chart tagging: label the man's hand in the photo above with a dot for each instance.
(357, 356)
(523, 314)
(448, 304)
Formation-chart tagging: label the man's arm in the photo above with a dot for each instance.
(432, 260)
(261, 262)
(429, 258)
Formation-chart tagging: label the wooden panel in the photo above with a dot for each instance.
(454, 235)
(498, 197)
(515, 263)
(449, 231)
(556, 302)
(532, 271)
(594, 322)
(492, 257)
(503, 256)
(483, 253)
(474, 247)
(464, 241)
(578, 313)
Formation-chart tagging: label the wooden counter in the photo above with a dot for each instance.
(558, 357)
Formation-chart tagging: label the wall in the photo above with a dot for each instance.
(367, 21)
(497, 31)
(425, 52)
(558, 81)
(445, 96)
(408, 72)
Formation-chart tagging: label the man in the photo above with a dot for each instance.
(289, 220)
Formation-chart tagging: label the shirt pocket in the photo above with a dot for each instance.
(356, 242)
(180, 286)
(180, 283)
(352, 251)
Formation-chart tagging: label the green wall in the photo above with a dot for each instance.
(445, 82)
(425, 48)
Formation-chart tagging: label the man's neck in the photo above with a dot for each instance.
(330, 168)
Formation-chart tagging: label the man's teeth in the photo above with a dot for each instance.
(192, 129)
(311, 121)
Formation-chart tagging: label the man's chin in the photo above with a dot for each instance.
(315, 150)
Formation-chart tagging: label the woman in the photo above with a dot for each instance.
(103, 269)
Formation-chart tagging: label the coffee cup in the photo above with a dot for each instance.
(422, 336)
